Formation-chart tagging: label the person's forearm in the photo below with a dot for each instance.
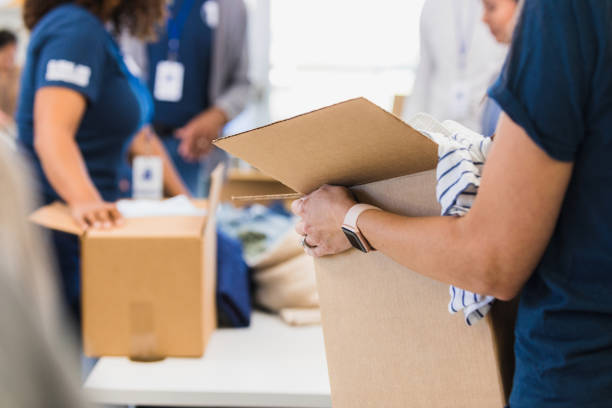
(445, 241)
(216, 114)
(65, 169)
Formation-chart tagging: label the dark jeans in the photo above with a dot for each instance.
(66, 248)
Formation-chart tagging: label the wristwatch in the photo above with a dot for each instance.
(350, 229)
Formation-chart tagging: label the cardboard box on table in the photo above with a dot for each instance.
(389, 339)
(148, 287)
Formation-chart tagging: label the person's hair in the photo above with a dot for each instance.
(138, 17)
(7, 38)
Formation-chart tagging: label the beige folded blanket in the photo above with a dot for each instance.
(285, 282)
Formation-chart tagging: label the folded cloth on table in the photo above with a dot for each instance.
(288, 285)
(462, 154)
(233, 283)
(301, 317)
(286, 247)
(259, 228)
(283, 276)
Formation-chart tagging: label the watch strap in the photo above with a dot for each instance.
(354, 212)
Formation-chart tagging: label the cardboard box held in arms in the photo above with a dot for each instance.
(389, 339)
(148, 287)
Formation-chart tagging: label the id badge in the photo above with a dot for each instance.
(460, 100)
(169, 78)
(148, 178)
(210, 13)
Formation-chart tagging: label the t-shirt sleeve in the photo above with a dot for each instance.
(73, 59)
(544, 85)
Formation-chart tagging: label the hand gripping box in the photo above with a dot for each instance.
(390, 341)
(148, 287)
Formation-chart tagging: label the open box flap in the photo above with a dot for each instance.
(56, 216)
(350, 143)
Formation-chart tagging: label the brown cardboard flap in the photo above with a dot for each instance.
(350, 143)
(267, 197)
(56, 216)
(209, 259)
(390, 195)
(216, 183)
(183, 226)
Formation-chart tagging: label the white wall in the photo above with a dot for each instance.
(259, 43)
(325, 51)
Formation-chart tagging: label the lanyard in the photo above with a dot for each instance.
(465, 33)
(175, 28)
(140, 90)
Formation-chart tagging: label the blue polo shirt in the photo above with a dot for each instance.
(69, 49)
(557, 85)
(195, 52)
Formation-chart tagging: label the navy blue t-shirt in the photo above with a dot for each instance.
(69, 48)
(195, 53)
(557, 85)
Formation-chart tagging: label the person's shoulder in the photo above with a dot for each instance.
(553, 8)
(580, 16)
(69, 19)
(72, 13)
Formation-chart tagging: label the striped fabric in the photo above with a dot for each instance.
(461, 154)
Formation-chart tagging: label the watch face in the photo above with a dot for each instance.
(354, 239)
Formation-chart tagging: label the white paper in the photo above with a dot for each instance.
(148, 178)
(176, 206)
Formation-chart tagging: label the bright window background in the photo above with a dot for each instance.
(325, 51)
(306, 54)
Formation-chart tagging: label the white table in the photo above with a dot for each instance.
(267, 365)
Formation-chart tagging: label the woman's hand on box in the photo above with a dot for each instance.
(322, 213)
(96, 214)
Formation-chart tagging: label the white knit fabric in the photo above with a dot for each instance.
(461, 157)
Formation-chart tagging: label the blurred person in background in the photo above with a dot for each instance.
(38, 367)
(9, 78)
(500, 16)
(80, 110)
(459, 60)
(197, 72)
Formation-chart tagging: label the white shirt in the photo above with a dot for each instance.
(445, 24)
